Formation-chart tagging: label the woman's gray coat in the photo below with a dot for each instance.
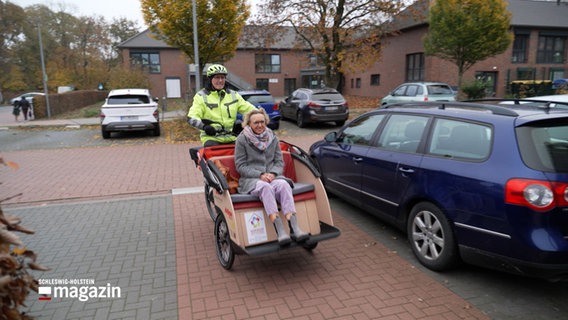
(251, 162)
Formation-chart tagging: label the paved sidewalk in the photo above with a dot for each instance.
(7, 120)
(150, 234)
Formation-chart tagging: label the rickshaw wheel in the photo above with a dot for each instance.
(225, 252)
(210, 203)
(310, 246)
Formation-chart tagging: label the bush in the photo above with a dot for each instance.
(474, 89)
(15, 263)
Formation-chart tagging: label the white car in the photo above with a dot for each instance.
(558, 100)
(130, 110)
(29, 96)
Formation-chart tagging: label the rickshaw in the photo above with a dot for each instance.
(242, 227)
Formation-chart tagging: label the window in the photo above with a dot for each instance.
(358, 83)
(526, 73)
(411, 91)
(267, 63)
(262, 84)
(403, 133)
(458, 139)
(520, 48)
(361, 132)
(550, 49)
(543, 145)
(556, 73)
(399, 91)
(415, 67)
(375, 79)
(149, 61)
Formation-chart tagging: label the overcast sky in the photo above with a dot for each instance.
(109, 9)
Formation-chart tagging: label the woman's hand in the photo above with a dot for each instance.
(267, 177)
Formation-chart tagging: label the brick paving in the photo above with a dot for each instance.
(96, 219)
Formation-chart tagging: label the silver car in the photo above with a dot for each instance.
(420, 91)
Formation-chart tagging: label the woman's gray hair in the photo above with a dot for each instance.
(260, 110)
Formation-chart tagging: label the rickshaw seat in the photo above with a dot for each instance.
(301, 191)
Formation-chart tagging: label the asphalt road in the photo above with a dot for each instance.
(14, 139)
(500, 295)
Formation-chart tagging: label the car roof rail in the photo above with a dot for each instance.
(442, 105)
(547, 105)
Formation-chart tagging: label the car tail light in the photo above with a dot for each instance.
(312, 105)
(156, 115)
(275, 107)
(102, 115)
(425, 98)
(536, 194)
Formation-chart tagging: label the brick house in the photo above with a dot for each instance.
(539, 52)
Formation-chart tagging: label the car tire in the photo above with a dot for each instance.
(300, 121)
(431, 237)
(340, 123)
(157, 130)
(105, 134)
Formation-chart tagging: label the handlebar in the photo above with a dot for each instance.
(220, 130)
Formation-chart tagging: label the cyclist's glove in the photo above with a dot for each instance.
(210, 130)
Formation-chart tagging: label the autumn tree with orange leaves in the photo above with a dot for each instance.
(219, 24)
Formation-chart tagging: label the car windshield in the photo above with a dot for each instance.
(434, 89)
(544, 146)
(128, 99)
(258, 99)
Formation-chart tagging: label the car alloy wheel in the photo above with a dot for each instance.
(431, 237)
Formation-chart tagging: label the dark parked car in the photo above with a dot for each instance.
(479, 183)
(315, 105)
(263, 98)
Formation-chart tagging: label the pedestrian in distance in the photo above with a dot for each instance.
(16, 110)
(259, 161)
(217, 104)
(25, 106)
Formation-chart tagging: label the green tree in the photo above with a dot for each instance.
(468, 31)
(78, 51)
(343, 35)
(11, 24)
(219, 24)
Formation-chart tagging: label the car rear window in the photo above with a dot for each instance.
(128, 99)
(544, 145)
(329, 96)
(434, 89)
(258, 99)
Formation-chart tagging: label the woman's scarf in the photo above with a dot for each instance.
(259, 141)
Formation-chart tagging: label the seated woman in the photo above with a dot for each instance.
(259, 161)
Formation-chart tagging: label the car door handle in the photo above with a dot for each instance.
(357, 159)
(406, 170)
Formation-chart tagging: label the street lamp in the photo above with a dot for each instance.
(196, 49)
(45, 91)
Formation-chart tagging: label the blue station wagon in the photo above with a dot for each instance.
(478, 183)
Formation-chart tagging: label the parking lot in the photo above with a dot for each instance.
(132, 215)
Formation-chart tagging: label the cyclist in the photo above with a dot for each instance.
(217, 103)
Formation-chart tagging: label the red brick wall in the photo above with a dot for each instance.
(390, 67)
